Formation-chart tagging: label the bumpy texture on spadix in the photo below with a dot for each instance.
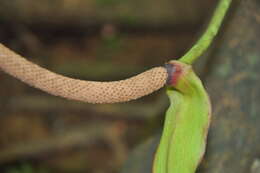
(75, 89)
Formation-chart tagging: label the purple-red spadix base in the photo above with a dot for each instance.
(174, 70)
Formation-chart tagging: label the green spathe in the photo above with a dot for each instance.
(183, 141)
(186, 125)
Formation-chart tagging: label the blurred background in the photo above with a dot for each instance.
(92, 40)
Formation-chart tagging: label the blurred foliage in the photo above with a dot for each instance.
(151, 12)
(27, 168)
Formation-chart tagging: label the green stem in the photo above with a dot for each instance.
(203, 43)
